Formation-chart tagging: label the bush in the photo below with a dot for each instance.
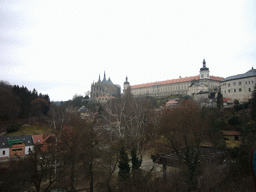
(13, 128)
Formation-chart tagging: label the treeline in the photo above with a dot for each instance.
(19, 102)
(106, 154)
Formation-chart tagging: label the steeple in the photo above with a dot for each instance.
(204, 66)
(204, 71)
(126, 84)
(104, 79)
(99, 81)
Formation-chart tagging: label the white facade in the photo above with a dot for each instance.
(28, 149)
(240, 86)
(4, 153)
(195, 88)
(178, 86)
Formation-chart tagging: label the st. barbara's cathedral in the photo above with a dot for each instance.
(105, 88)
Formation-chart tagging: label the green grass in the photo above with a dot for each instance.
(30, 130)
(232, 143)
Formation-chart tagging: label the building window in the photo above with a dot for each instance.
(234, 84)
(229, 90)
(240, 83)
(234, 90)
(17, 149)
(3, 152)
(240, 89)
(249, 82)
(252, 82)
(246, 82)
(229, 85)
(249, 89)
(225, 91)
(29, 149)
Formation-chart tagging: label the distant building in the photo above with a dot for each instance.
(180, 86)
(15, 146)
(126, 84)
(239, 86)
(104, 89)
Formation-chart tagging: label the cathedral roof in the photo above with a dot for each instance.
(104, 81)
(179, 80)
(250, 73)
(109, 81)
(99, 81)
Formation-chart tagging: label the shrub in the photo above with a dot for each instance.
(13, 128)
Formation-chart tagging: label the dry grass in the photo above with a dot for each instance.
(30, 130)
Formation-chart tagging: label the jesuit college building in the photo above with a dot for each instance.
(181, 86)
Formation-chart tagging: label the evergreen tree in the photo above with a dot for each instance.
(219, 100)
(136, 162)
(138, 180)
(124, 167)
(124, 171)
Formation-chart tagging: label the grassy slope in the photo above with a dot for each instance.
(30, 130)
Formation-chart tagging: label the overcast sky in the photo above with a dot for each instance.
(60, 47)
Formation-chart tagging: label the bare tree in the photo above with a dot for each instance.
(130, 116)
(184, 130)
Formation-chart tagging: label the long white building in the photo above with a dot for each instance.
(180, 86)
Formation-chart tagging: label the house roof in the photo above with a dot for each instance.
(26, 139)
(231, 133)
(179, 80)
(226, 99)
(3, 142)
(250, 73)
(172, 102)
(38, 139)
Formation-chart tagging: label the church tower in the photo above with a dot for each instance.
(204, 71)
(126, 84)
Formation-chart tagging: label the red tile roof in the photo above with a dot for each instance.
(226, 99)
(216, 78)
(179, 80)
(172, 102)
(38, 139)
